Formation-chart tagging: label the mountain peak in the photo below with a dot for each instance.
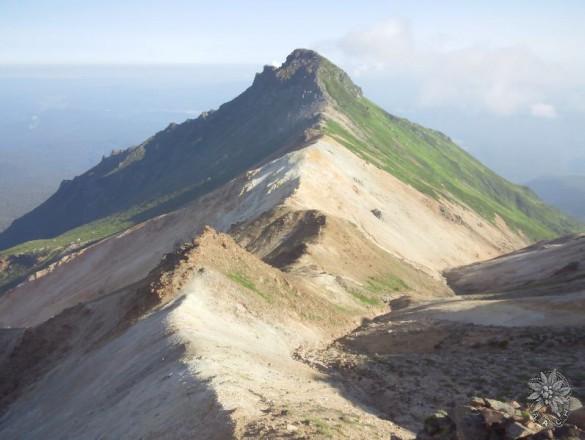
(303, 58)
(314, 71)
(286, 107)
(301, 64)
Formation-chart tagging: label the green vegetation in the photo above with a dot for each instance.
(376, 286)
(430, 162)
(47, 251)
(104, 227)
(245, 282)
(12, 275)
(365, 299)
(83, 234)
(17, 267)
(320, 425)
(385, 284)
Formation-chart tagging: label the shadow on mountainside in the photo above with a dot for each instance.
(100, 370)
(403, 370)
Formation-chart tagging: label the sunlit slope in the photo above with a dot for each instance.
(431, 162)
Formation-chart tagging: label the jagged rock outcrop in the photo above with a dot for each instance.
(488, 419)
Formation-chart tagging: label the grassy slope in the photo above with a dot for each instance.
(433, 164)
(50, 250)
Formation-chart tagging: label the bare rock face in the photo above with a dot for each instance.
(488, 419)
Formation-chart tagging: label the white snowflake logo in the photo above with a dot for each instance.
(549, 400)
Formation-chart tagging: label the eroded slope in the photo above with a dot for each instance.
(202, 345)
(429, 235)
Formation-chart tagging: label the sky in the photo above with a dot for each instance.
(182, 31)
(487, 71)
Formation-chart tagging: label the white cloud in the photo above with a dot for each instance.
(542, 110)
(501, 80)
(389, 39)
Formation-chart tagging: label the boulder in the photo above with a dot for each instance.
(489, 419)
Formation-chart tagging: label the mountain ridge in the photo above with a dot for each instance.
(306, 297)
(188, 159)
(284, 108)
(287, 276)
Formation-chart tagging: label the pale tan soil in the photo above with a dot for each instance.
(121, 345)
(216, 360)
(126, 258)
(564, 310)
(436, 354)
(546, 267)
(323, 176)
(247, 361)
(330, 255)
(134, 386)
(433, 235)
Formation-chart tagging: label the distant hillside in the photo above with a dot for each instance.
(567, 193)
(23, 185)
